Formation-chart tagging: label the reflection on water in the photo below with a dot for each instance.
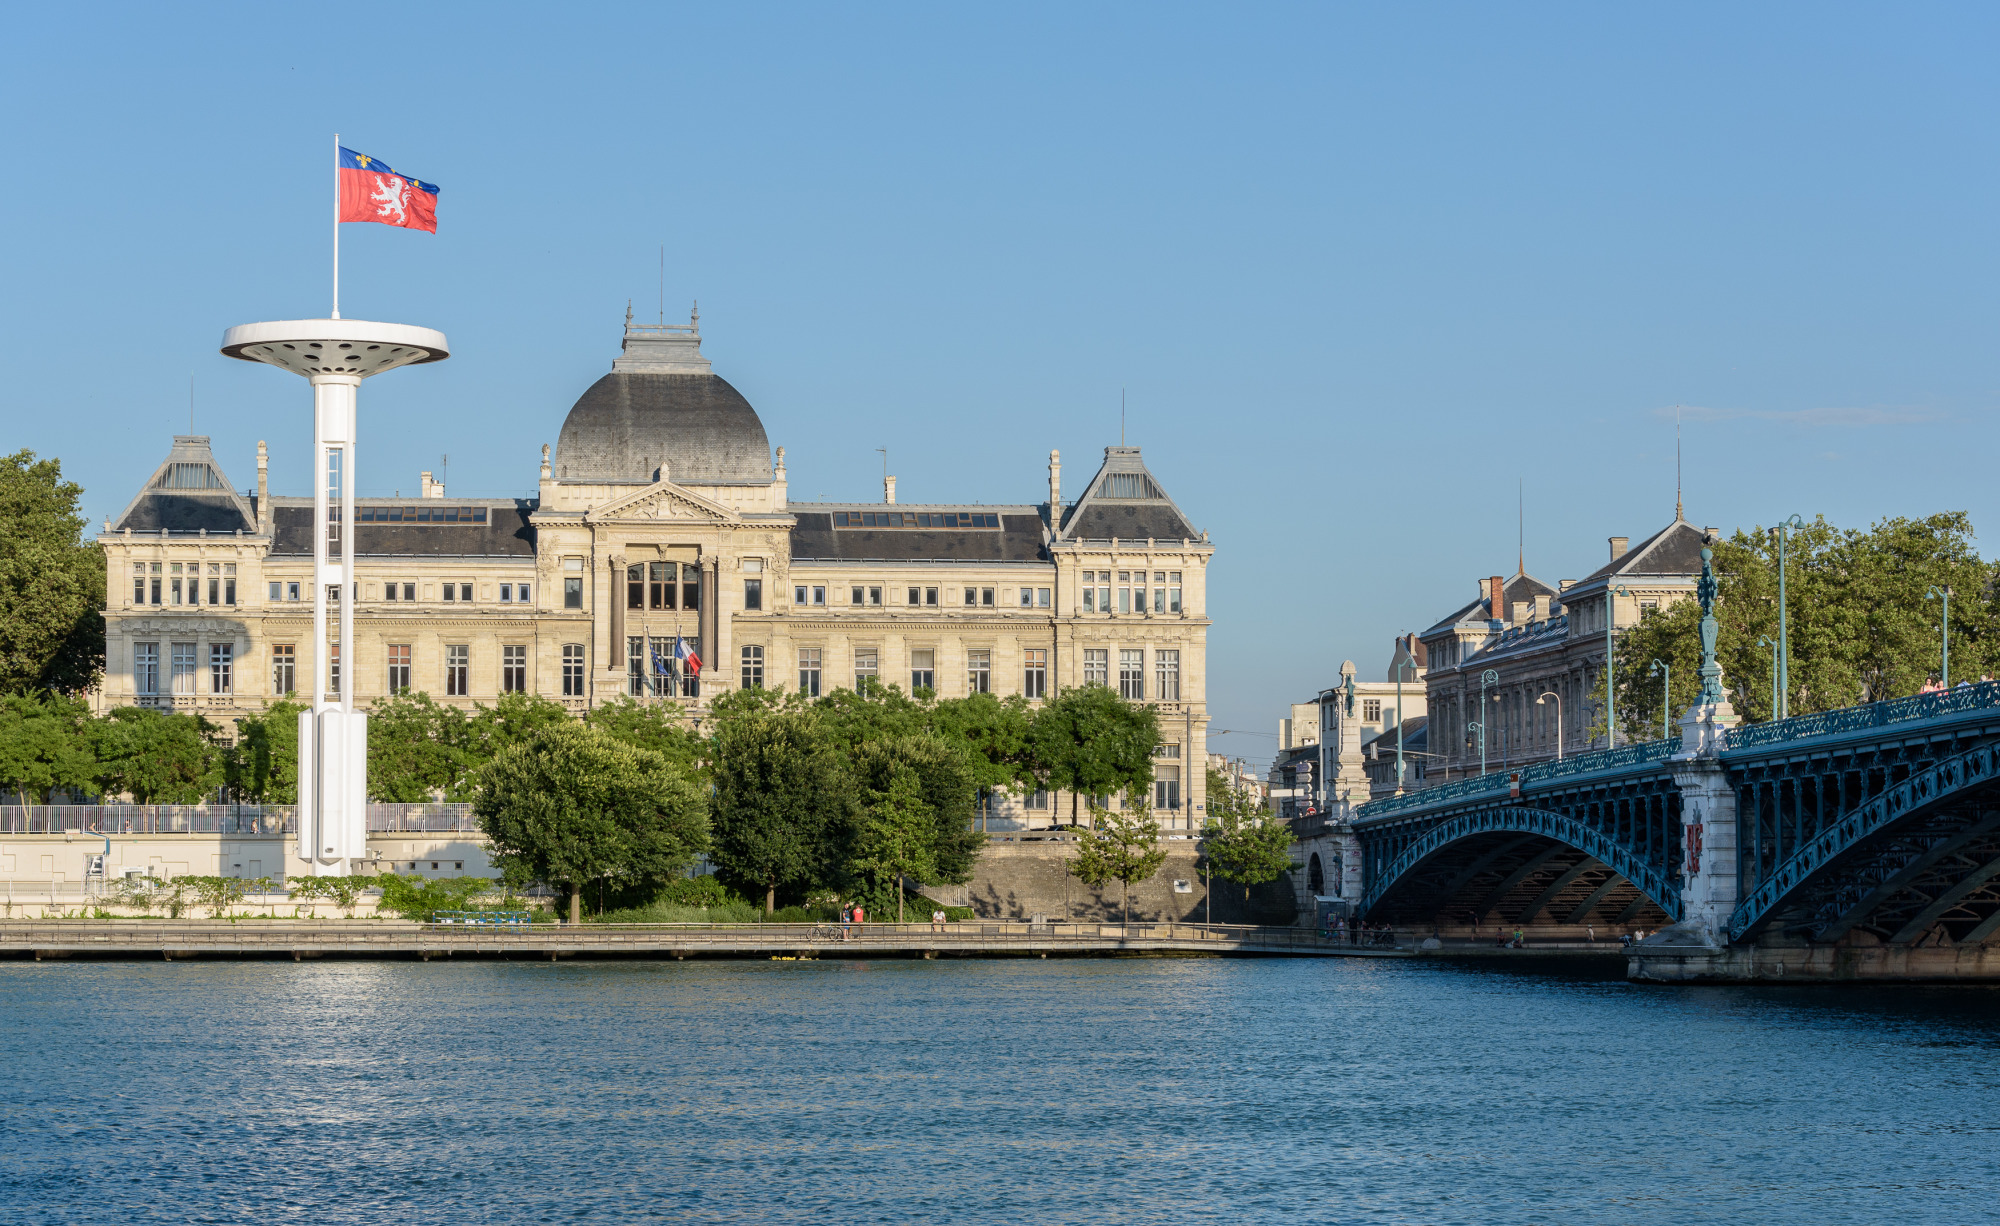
(1085, 1091)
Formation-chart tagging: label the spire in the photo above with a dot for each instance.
(1677, 464)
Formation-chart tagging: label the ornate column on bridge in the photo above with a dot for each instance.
(1347, 783)
(1709, 886)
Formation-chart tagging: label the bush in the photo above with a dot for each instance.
(421, 898)
(704, 891)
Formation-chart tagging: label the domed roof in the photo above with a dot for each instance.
(661, 405)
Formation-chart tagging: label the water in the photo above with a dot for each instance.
(991, 1092)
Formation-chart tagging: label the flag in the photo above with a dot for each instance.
(370, 191)
(688, 659)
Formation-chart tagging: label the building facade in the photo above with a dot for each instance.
(662, 519)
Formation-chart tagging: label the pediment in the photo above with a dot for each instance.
(662, 500)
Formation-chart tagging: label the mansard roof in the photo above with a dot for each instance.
(857, 532)
(1126, 501)
(188, 493)
(1521, 589)
(423, 528)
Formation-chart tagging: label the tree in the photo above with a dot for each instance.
(1089, 741)
(571, 805)
(417, 750)
(1124, 847)
(507, 723)
(158, 757)
(51, 582)
(421, 898)
(784, 806)
(897, 832)
(945, 791)
(658, 726)
(1241, 842)
(263, 765)
(45, 743)
(992, 734)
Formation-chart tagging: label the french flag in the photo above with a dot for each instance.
(687, 659)
(370, 191)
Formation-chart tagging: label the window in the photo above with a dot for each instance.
(399, 667)
(292, 591)
(228, 583)
(139, 583)
(979, 672)
(1371, 710)
(1027, 598)
(183, 666)
(931, 597)
(513, 668)
(635, 666)
(1173, 591)
(1159, 592)
(635, 586)
(465, 593)
(1037, 799)
(572, 670)
(916, 595)
(333, 669)
(691, 589)
(875, 595)
(222, 668)
(1104, 591)
(986, 598)
(506, 593)
(284, 668)
(389, 591)
(1042, 597)
(521, 591)
(1096, 666)
(174, 582)
(458, 670)
(572, 583)
(855, 594)
(865, 670)
(409, 591)
(1167, 675)
(914, 519)
(1139, 591)
(451, 591)
(1125, 592)
(753, 668)
(753, 594)
(1090, 591)
(1166, 787)
(153, 576)
(809, 671)
(804, 594)
(663, 585)
(1035, 673)
(146, 668)
(972, 595)
(1132, 673)
(923, 669)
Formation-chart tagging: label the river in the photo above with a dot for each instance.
(1156, 1090)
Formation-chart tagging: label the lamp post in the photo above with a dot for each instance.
(1610, 691)
(1765, 640)
(1546, 695)
(1944, 593)
(1489, 677)
(1401, 664)
(1666, 696)
(1479, 726)
(1783, 709)
(1499, 700)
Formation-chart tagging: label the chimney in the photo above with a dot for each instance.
(263, 489)
(1619, 544)
(1518, 612)
(1541, 608)
(1493, 598)
(431, 489)
(1055, 482)
(889, 490)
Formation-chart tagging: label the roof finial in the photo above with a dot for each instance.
(1677, 464)
(694, 316)
(628, 314)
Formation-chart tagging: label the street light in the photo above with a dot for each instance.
(1546, 695)
(1479, 726)
(1401, 664)
(1945, 593)
(1610, 693)
(1765, 640)
(1783, 675)
(1489, 677)
(1666, 696)
(1499, 700)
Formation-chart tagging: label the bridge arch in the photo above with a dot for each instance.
(1920, 851)
(1547, 863)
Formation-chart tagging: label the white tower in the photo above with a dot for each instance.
(336, 355)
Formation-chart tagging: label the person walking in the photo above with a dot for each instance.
(860, 915)
(846, 915)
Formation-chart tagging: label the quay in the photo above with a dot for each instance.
(299, 940)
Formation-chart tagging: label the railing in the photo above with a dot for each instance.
(1984, 695)
(1481, 785)
(270, 820)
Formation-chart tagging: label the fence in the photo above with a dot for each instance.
(249, 820)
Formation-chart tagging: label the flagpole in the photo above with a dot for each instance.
(336, 225)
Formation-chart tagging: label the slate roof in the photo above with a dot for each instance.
(1126, 501)
(1673, 550)
(505, 534)
(628, 424)
(1018, 539)
(1522, 589)
(1414, 737)
(187, 493)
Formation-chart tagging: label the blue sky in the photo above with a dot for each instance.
(1358, 270)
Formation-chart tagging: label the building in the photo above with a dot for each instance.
(1357, 758)
(662, 516)
(1523, 641)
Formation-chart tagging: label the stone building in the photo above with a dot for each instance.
(662, 517)
(1536, 640)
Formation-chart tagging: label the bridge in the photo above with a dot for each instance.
(1849, 839)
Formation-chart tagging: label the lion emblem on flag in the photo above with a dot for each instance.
(392, 193)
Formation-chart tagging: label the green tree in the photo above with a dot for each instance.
(993, 734)
(784, 800)
(51, 582)
(571, 805)
(1089, 741)
(263, 765)
(659, 726)
(1122, 847)
(158, 757)
(45, 743)
(945, 788)
(1241, 842)
(853, 718)
(507, 723)
(896, 835)
(418, 750)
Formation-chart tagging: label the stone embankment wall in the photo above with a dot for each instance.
(1017, 881)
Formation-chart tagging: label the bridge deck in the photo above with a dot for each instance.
(254, 939)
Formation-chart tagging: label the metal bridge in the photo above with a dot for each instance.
(1881, 819)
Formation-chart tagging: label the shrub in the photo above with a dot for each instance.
(421, 898)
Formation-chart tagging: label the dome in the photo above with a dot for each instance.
(661, 405)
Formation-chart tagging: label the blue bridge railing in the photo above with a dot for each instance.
(1870, 715)
(1481, 785)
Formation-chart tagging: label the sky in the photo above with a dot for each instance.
(1361, 275)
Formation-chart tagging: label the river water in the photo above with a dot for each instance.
(991, 1092)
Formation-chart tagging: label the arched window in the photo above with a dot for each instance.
(1315, 876)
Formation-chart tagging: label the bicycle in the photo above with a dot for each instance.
(824, 932)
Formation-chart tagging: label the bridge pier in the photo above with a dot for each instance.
(1709, 887)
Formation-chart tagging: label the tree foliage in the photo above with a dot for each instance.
(1089, 741)
(51, 582)
(45, 744)
(158, 757)
(419, 750)
(1242, 842)
(784, 799)
(1122, 847)
(263, 765)
(659, 726)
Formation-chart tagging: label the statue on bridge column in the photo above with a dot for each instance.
(1709, 888)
